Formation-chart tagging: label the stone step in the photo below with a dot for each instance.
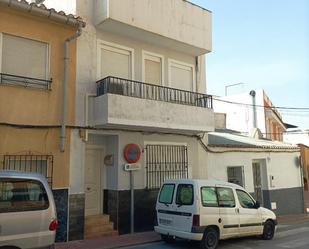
(100, 234)
(99, 228)
(97, 219)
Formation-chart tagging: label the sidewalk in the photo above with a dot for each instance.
(143, 238)
(111, 242)
(292, 217)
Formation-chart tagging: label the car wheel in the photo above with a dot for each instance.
(269, 230)
(167, 238)
(210, 239)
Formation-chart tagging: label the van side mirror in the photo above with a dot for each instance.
(257, 204)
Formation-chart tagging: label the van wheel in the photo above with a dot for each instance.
(210, 239)
(167, 238)
(269, 230)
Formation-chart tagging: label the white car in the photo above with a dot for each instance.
(208, 210)
(27, 211)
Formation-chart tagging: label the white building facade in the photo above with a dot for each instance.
(140, 80)
(270, 171)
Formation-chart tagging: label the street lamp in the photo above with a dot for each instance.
(227, 86)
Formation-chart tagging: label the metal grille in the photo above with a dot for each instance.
(10, 79)
(42, 164)
(142, 90)
(165, 162)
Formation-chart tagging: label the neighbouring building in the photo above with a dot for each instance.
(269, 170)
(301, 138)
(250, 110)
(32, 42)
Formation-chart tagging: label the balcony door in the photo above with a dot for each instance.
(181, 75)
(153, 68)
(114, 60)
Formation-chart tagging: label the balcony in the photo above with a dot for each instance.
(174, 24)
(123, 103)
(17, 80)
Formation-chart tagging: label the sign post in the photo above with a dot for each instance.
(132, 154)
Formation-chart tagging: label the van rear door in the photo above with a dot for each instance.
(165, 205)
(185, 208)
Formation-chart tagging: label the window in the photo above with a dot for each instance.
(181, 75)
(244, 199)
(235, 175)
(226, 197)
(152, 68)
(184, 194)
(18, 195)
(209, 197)
(166, 194)
(42, 164)
(115, 60)
(24, 61)
(165, 162)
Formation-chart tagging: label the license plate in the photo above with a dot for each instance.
(165, 222)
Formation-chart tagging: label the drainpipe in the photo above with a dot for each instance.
(65, 83)
(252, 93)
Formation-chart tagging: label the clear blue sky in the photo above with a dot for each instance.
(264, 44)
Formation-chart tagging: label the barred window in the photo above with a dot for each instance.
(42, 164)
(165, 162)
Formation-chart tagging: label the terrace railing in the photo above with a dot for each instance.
(142, 90)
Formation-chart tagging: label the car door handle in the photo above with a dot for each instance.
(237, 210)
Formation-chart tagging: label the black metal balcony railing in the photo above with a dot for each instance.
(142, 90)
(18, 80)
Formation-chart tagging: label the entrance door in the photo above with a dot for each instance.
(93, 197)
(257, 181)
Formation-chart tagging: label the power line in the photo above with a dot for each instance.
(262, 106)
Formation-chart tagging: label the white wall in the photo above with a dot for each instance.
(280, 165)
(239, 117)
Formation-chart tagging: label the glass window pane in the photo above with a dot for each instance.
(244, 199)
(235, 175)
(209, 197)
(184, 194)
(226, 197)
(18, 195)
(166, 194)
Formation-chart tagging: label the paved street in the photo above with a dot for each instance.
(289, 235)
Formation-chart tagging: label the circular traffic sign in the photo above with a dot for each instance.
(132, 153)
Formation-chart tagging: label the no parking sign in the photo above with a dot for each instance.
(132, 153)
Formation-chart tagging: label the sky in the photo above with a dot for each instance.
(263, 44)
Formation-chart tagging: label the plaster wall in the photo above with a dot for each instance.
(174, 19)
(32, 106)
(281, 166)
(38, 142)
(239, 117)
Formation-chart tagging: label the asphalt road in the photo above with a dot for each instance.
(289, 235)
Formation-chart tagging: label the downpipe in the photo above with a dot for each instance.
(65, 86)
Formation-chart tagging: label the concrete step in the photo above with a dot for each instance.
(95, 219)
(98, 226)
(100, 234)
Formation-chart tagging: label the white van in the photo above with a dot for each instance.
(27, 211)
(208, 210)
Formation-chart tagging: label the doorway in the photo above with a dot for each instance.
(257, 182)
(93, 181)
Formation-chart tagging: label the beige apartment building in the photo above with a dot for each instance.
(32, 42)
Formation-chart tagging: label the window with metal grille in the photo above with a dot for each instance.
(165, 162)
(42, 164)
